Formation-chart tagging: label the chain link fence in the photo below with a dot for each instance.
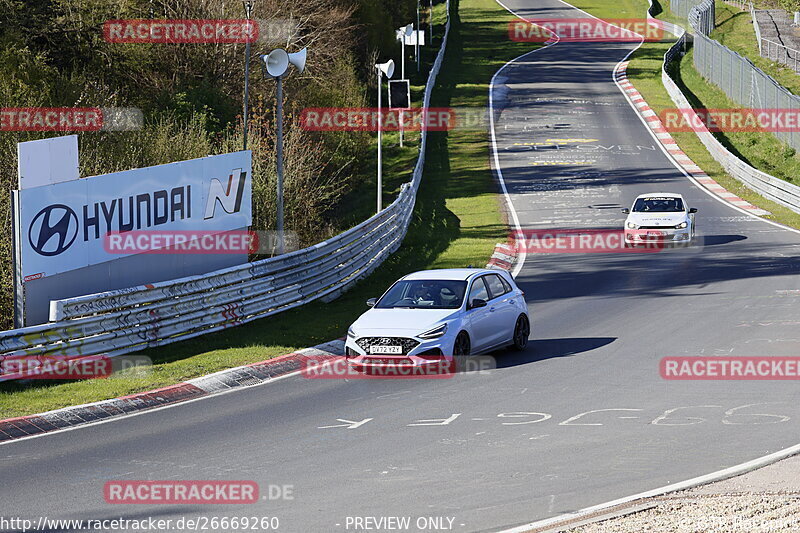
(741, 80)
(702, 17)
(768, 186)
(683, 7)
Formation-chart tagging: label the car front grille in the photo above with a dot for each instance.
(658, 227)
(407, 344)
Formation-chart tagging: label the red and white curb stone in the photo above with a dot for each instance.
(664, 137)
(219, 382)
(504, 257)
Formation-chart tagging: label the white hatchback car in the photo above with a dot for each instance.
(661, 217)
(434, 313)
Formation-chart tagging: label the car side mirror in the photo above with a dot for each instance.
(477, 302)
(371, 302)
(693, 210)
(626, 211)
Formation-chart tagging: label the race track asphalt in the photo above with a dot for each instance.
(581, 417)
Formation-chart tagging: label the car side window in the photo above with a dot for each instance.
(478, 291)
(506, 284)
(496, 287)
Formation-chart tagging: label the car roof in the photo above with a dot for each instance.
(448, 273)
(663, 194)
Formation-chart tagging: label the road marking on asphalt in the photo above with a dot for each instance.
(571, 421)
(348, 424)
(669, 417)
(436, 421)
(522, 414)
(561, 163)
(695, 420)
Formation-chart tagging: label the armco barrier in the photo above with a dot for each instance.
(768, 186)
(127, 320)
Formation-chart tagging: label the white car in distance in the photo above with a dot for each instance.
(440, 313)
(659, 217)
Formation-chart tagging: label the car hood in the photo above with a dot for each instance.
(657, 219)
(413, 321)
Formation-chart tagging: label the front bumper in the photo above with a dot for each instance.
(424, 352)
(660, 235)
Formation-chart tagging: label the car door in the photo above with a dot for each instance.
(480, 319)
(502, 310)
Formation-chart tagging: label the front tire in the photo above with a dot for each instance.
(462, 345)
(522, 330)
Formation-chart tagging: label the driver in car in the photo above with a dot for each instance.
(423, 294)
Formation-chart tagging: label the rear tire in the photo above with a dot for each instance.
(522, 330)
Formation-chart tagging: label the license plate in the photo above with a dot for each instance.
(655, 234)
(388, 350)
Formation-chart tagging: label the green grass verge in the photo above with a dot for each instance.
(457, 222)
(644, 71)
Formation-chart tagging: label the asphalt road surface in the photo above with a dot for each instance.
(580, 418)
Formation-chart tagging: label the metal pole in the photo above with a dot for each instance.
(403, 76)
(416, 39)
(380, 137)
(279, 142)
(430, 22)
(248, 6)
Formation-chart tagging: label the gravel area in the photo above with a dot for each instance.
(733, 513)
(763, 501)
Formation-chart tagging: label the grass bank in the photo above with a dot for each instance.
(456, 223)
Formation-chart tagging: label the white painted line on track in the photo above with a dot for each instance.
(522, 255)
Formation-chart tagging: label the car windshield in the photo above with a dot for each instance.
(424, 294)
(657, 204)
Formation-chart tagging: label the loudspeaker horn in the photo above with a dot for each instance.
(387, 68)
(298, 59)
(277, 62)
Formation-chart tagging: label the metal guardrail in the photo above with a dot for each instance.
(768, 186)
(741, 4)
(779, 53)
(127, 320)
(773, 50)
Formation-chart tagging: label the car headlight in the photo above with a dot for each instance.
(682, 225)
(351, 333)
(434, 333)
(631, 225)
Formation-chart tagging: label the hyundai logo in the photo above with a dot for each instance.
(53, 230)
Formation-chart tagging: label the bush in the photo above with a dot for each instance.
(53, 54)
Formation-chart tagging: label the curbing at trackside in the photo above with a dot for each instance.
(251, 375)
(680, 158)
